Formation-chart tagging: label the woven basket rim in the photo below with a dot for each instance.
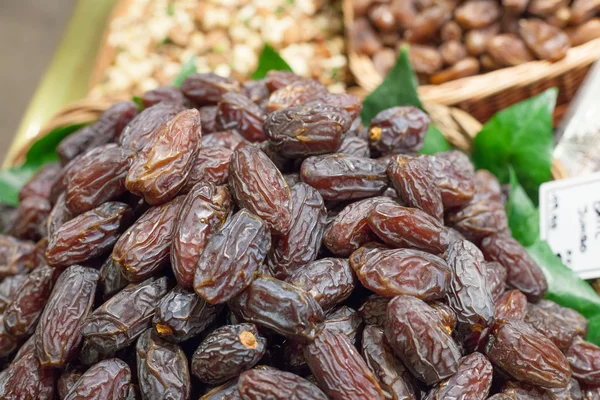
(473, 87)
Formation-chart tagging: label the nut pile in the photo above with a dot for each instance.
(452, 39)
(154, 38)
(254, 241)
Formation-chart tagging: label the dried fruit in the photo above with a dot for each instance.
(237, 112)
(547, 42)
(398, 130)
(277, 385)
(208, 89)
(211, 165)
(472, 380)
(584, 358)
(108, 380)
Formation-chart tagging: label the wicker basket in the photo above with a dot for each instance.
(484, 95)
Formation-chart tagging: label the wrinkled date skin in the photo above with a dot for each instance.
(181, 315)
(415, 185)
(374, 310)
(30, 218)
(259, 384)
(231, 257)
(208, 89)
(550, 323)
(468, 294)
(527, 355)
(349, 229)
(98, 177)
(329, 280)
(67, 380)
(202, 213)
(227, 352)
(211, 165)
(404, 271)
(339, 368)
(256, 184)
(308, 130)
(344, 177)
(301, 244)
(584, 358)
(419, 338)
(237, 112)
(58, 336)
(145, 247)
(567, 316)
(23, 312)
(227, 139)
(495, 275)
(472, 380)
(40, 185)
(347, 101)
(9, 288)
(344, 320)
(89, 235)
(119, 321)
(162, 368)
(354, 146)
(511, 305)
(58, 216)
(453, 174)
(161, 168)
(111, 280)
(167, 94)
(398, 130)
(228, 391)
(107, 380)
(392, 375)
(16, 256)
(279, 306)
(139, 131)
(446, 313)
(408, 227)
(27, 379)
(106, 130)
(523, 272)
(295, 94)
(8, 343)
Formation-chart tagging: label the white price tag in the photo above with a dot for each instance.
(570, 222)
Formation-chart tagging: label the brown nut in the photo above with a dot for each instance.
(466, 67)
(508, 50)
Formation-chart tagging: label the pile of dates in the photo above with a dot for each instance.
(255, 241)
(452, 39)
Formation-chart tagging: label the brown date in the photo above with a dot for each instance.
(208, 89)
(468, 66)
(427, 23)
(374, 310)
(8, 343)
(67, 380)
(446, 313)
(181, 315)
(349, 229)
(398, 130)
(547, 42)
(211, 165)
(329, 280)
(27, 379)
(271, 384)
(23, 312)
(89, 235)
(404, 271)
(527, 355)
(344, 177)
(355, 146)
(58, 216)
(511, 305)
(280, 79)
(208, 118)
(307, 130)
(425, 59)
(9, 288)
(202, 213)
(295, 94)
(167, 94)
(106, 130)
(453, 174)
(584, 358)
(106, 380)
(416, 185)
(111, 280)
(227, 139)
(478, 219)
(344, 320)
(145, 247)
(419, 338)
(509, 50)
(232, 257)
(495, 275)
(257, 90)
(468, 294)
(393, 377)
(408, 227)
(567, 316)
(301, 244)
(228, 351)
(40, 184)
(99, 177)
(141, 129)
(162, 369)
(364, 38)
(120, 320)
(161, 168)
(16, 256)
(237, 112)
(30, 218)
(474, 14)
(279, 306)
(339, 368)
(256, 184)
(523, 272)
(453, 51)
(476, 39)
(571, 392)
(472, 380)
(228, 390)
(549, 321)
(347, 101)
(57, 336)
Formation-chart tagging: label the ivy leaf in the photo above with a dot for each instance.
(523, 217)
(520, 137)
(399, 88)
(12, 180)
(269, 60)
(138, 100)
(435, 142)
(186, 70)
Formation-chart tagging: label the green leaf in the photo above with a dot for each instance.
(435, 142)
(593, 334)
(138, 100)
(43, 151)
(269, 60)
(12, 180)
(399, 88)
(564, 286)
(520, 137)
(523, 217)
(186, 70)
